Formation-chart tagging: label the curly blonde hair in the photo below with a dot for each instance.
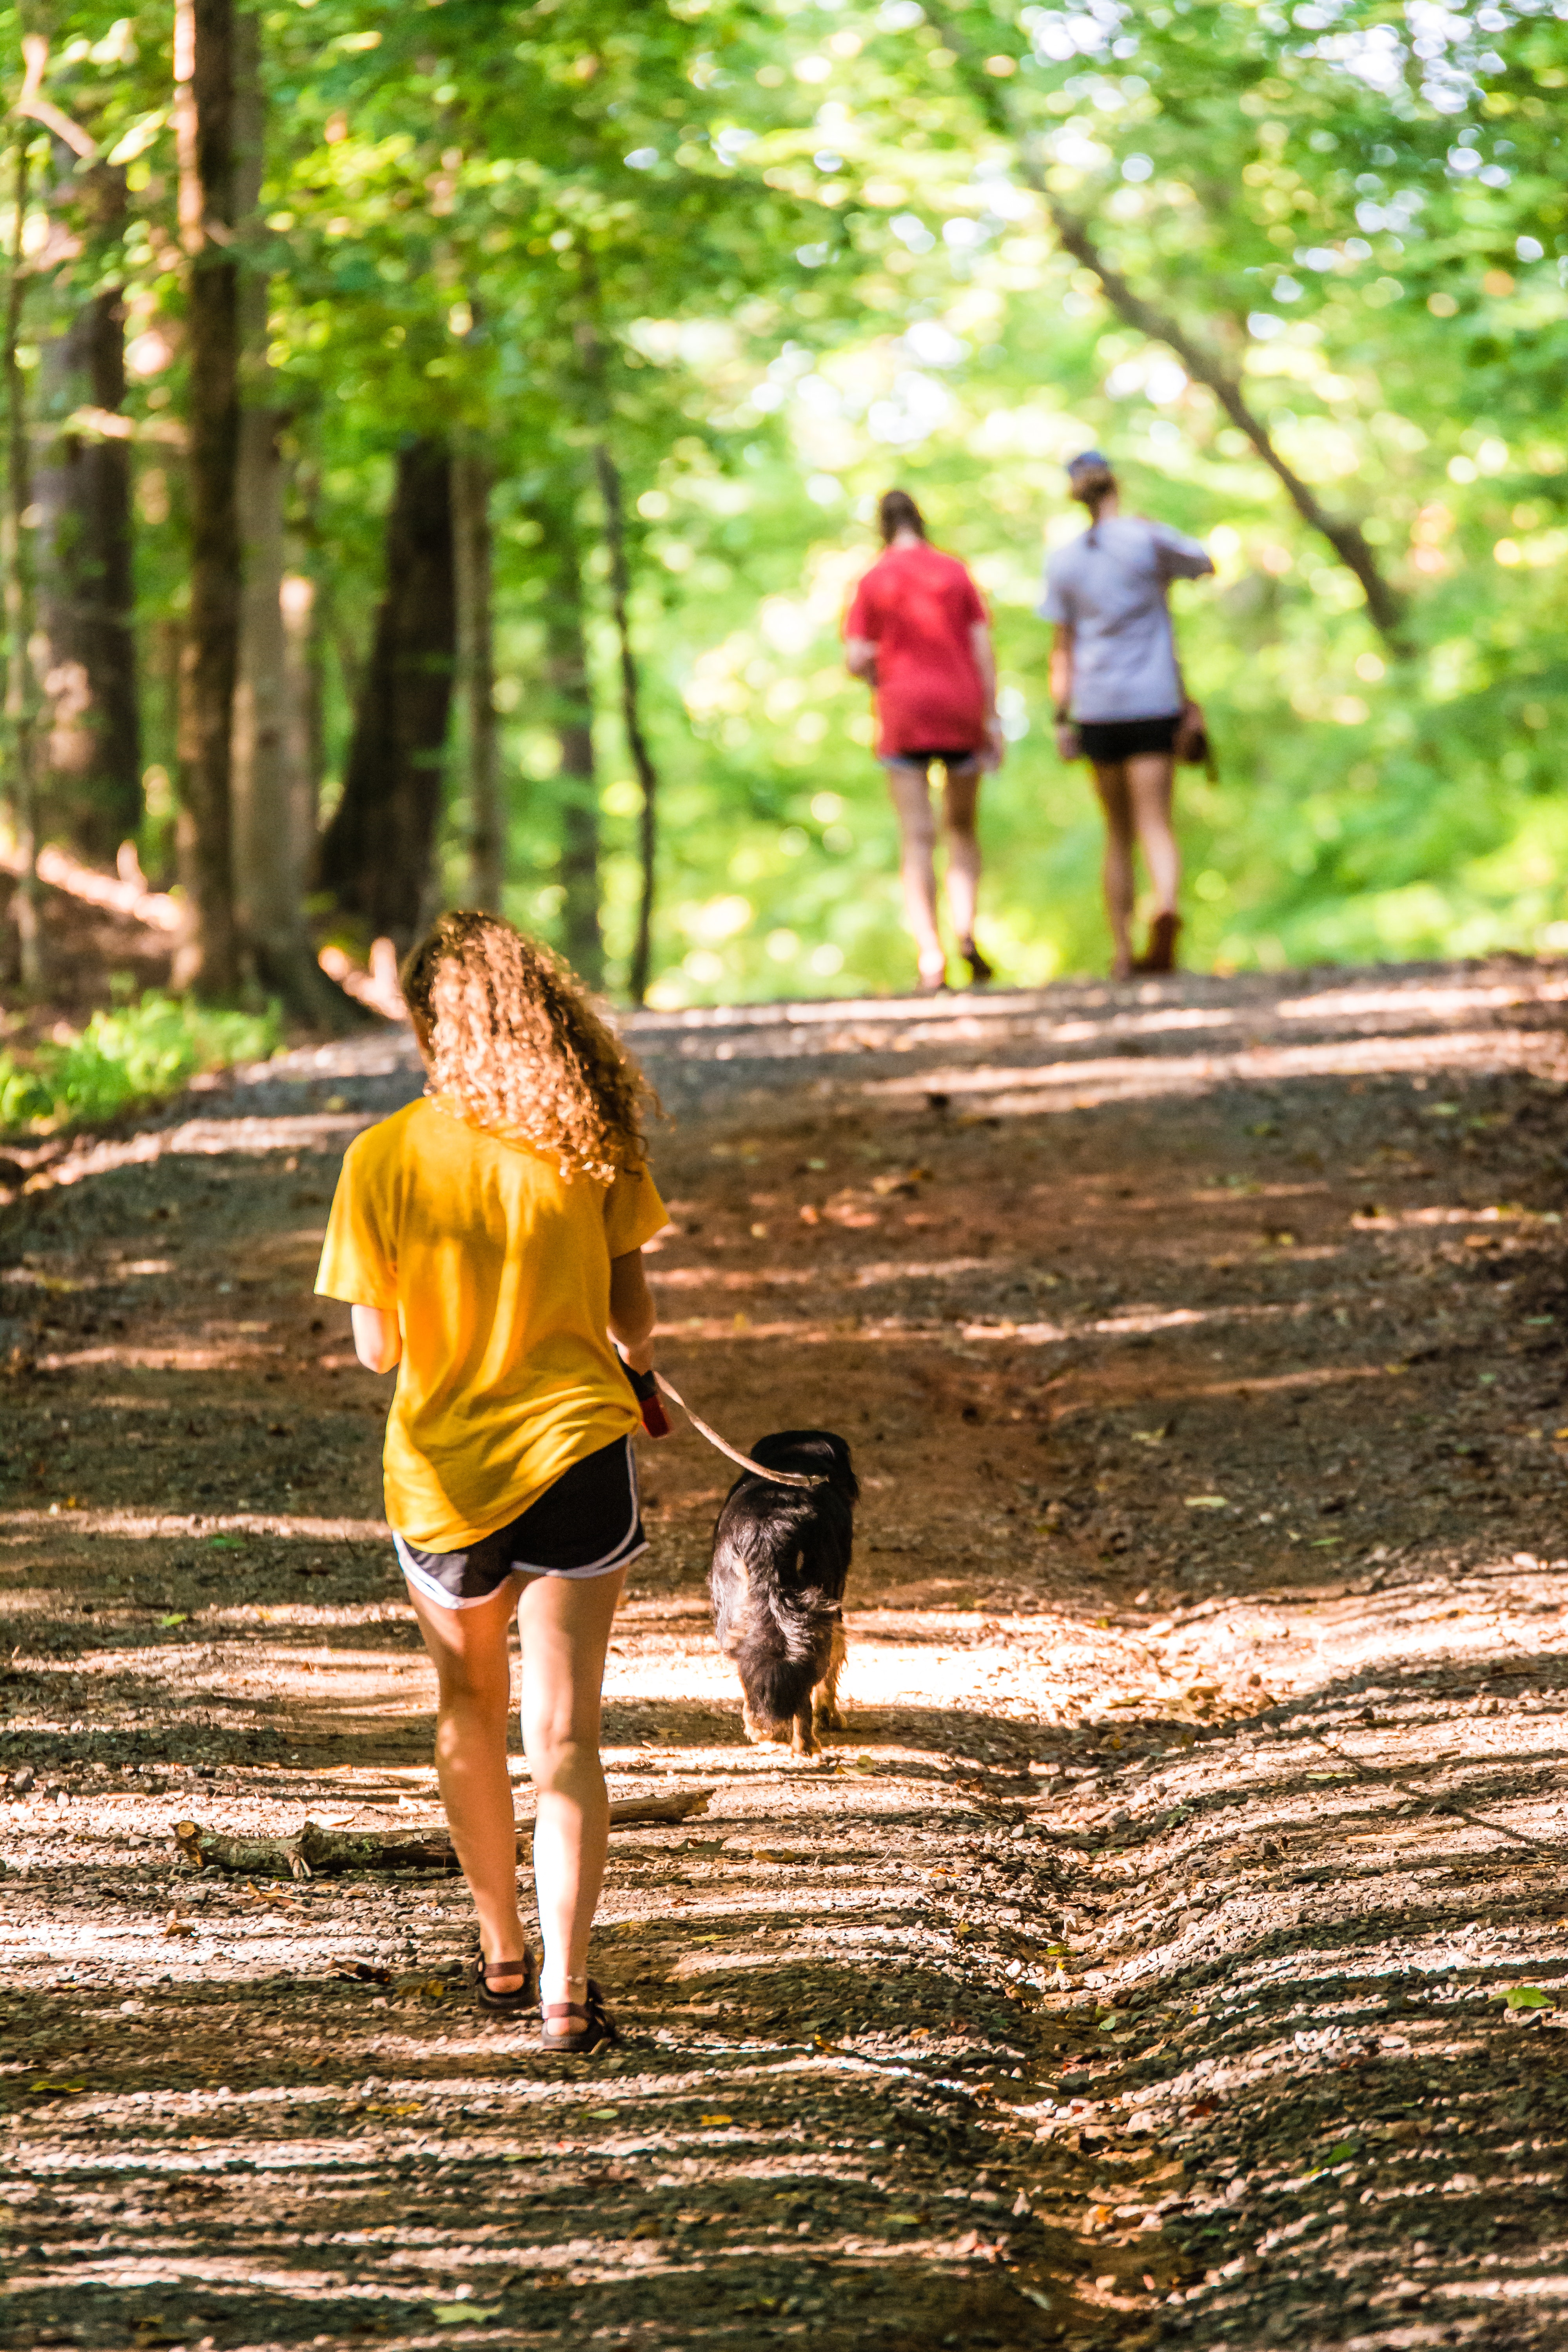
(515, 1046)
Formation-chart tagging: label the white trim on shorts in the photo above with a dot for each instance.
(620, 1555)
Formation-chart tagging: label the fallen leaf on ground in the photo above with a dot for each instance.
(174, 1925)
(1205, 1502)
(1526, 1997)
(715, 2119)
(452, 2315)
(176, 1617)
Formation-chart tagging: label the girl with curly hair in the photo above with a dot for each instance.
(488, 1240)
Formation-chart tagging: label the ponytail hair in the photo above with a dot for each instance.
(1091, 481)
(897, 512)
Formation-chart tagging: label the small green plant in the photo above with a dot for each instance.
(127, 1055)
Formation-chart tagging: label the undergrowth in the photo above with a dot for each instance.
(128, 1054)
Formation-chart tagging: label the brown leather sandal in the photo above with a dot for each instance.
(513, 2000)
(570, 2029)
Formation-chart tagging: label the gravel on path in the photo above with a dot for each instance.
(1173, 1950)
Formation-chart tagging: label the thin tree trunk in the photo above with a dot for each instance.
(572, 716)
(83, 494)
(304, 747)
(609, 480)
(476, 670)
(21, 696)
(375, 856)
(1385, 607)
(210, 662)
(267, 853)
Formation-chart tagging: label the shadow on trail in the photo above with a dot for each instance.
(1340, 1983)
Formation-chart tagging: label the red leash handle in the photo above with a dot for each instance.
(645, 1386)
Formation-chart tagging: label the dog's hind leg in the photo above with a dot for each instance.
(827, 1714)
(803, 1739)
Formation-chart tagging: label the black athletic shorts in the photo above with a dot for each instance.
(1107, 742)
(950, 759)
(587, 1523)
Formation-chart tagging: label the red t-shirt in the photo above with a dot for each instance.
(918, 607)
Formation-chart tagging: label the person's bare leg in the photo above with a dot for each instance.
(1110, 783)
(910, 792)
(960, 801)
(565, 1626)
(468, 1650)
(1150, 789)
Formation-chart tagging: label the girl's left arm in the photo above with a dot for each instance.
(378, 1341)
(632, 1311)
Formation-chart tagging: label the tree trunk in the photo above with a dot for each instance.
(375, 853)
(21, 696)
(609, 477)
(210, 962)
(92, 782)
(572, 716)
(1385, 607)
(270, 859)
(303, 719)
(476, 670)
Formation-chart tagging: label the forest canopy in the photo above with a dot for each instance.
(570, 349)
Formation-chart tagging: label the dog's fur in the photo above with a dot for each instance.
(781, 1560)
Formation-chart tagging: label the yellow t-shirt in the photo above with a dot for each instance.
(498, 1269)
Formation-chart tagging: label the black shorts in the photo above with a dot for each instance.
(1108, 741)
(586, 1523)
(924, 760)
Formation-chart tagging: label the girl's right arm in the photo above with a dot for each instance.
(632, 1311)
(378, 1341)
(1061, 690)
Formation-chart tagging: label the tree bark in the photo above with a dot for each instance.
(210, 962)
(475, 671)
(609, 478)
(19, 593)
(270, 858)
(92, 781)
(303, 719)
(1385, 606)
(570, 713)
(21, 694)
(375, 853)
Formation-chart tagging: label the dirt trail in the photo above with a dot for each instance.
(1139, 1971)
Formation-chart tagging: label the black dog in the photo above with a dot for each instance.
(781, 1560)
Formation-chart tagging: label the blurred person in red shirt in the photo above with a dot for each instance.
(918, 632)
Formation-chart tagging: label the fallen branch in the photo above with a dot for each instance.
(314, 1851)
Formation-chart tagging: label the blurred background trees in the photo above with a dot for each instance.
(481, 330)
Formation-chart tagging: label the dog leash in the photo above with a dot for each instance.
(647, 1385)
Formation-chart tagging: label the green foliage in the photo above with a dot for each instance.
(129, 1054)
(780, 253)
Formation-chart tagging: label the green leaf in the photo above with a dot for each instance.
(1526, 1997)
(176, 1617)
(1340, 2153)
(452, 2315)
(226, 1543)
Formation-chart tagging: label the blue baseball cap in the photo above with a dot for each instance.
(1093, 461)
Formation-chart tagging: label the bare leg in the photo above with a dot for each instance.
(961, 796)
(1150, 780)
(468, 1650)
(910, 790)
(1110, 783)
(566, 1626)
